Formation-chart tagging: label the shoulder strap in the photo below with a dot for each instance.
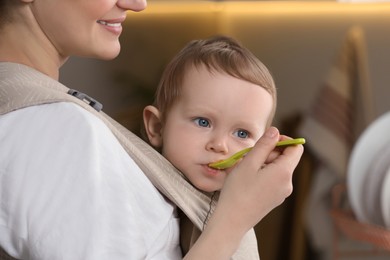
(21, 86)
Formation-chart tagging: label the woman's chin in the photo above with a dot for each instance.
(109, 55)
(107, 52)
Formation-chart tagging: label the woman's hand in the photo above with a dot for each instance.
(261, 182)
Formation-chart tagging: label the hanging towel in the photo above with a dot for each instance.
(339, 113)
(343, 106)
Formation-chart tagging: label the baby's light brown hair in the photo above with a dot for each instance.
(218, 54)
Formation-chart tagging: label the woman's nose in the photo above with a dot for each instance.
(134, 5)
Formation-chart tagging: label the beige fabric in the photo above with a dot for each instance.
(21, 86)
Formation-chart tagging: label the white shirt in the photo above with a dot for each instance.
(70, 191)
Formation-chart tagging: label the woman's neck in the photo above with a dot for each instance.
(25, 46)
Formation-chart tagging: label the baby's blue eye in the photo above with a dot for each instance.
(242, 134)
(202, 122)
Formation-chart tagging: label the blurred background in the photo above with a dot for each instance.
(300, 42)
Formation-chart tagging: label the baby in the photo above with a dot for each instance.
(214, 99)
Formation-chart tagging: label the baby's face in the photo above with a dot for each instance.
(216, 116)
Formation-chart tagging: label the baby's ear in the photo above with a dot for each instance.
(153, 126)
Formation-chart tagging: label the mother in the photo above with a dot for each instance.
(74, 184)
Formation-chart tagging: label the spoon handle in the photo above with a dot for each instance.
(229, 162)
(295, 141)
(291, 142)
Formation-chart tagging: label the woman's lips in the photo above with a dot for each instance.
(112, 26)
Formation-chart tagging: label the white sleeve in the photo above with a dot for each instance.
(69, 190)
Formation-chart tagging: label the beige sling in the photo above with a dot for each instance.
(21, 86)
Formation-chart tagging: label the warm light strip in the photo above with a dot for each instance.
(167, 7)
(263, 7)
(301, 7)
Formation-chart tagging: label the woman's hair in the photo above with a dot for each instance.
(6, 8)
(218, 54)
(2, 11)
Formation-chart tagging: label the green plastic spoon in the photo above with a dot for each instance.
(232, 160)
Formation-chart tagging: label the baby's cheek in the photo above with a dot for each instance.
(175, 156)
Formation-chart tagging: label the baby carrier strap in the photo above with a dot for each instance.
(21, 87)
